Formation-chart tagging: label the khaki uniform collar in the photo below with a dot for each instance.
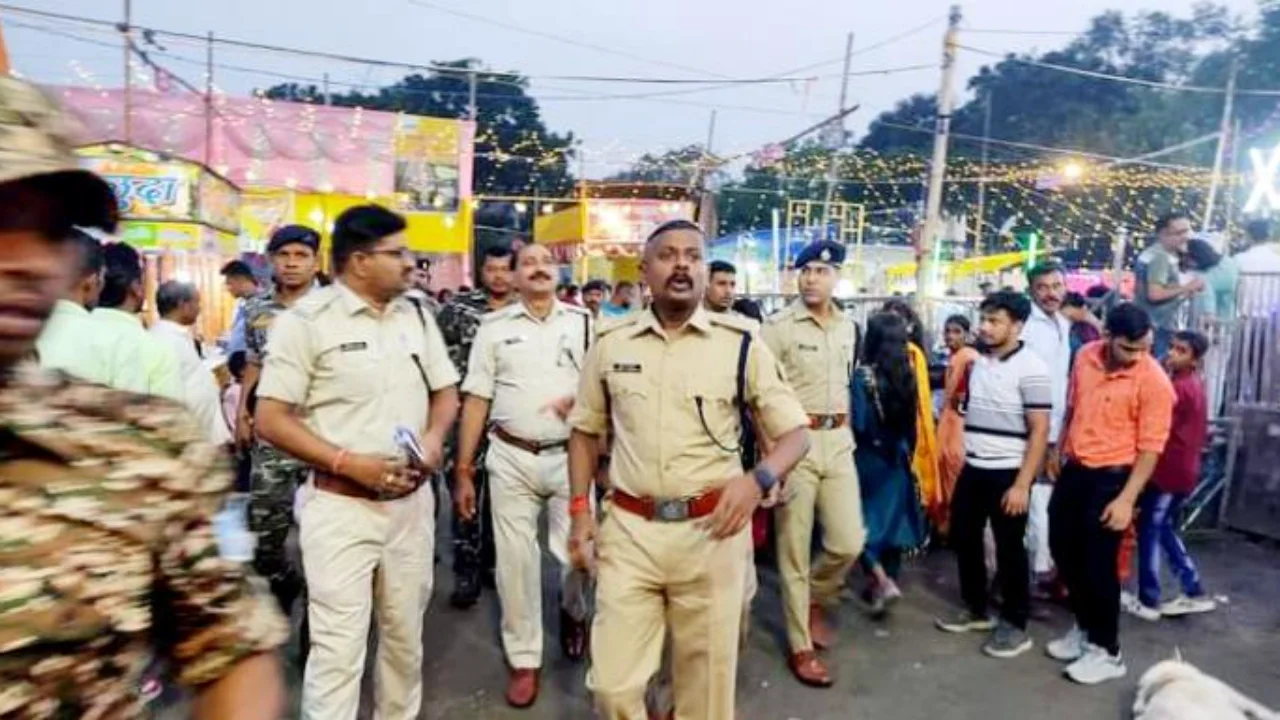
(647, 321)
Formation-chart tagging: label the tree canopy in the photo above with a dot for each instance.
(515, 152)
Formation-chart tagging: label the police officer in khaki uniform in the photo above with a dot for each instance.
(348, 368)
(815, 344)
(524, 364)
(672, 549)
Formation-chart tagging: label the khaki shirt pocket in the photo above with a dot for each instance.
(713, 412)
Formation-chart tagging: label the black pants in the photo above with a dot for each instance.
(977, 499)
(1085, 550)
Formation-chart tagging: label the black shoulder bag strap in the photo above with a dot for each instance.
(417, 359)
(743, 350)
(586, 332)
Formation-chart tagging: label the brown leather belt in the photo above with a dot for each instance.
(666, 510)
(347, 487)
(529, 446)
(828, 422)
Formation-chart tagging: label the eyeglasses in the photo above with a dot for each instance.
(401, 253)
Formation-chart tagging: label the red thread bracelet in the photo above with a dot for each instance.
(335, 467)
(579, 505)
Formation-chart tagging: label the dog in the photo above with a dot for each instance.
(1177, 690)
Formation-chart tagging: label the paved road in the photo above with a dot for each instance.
(899, 668)
(902, 668)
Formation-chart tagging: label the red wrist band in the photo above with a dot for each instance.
(579, 505)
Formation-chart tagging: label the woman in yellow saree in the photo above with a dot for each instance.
(924, 461)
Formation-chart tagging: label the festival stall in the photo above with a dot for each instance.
(305, 163)
(180, 215)
(601, 235)
(964, 276)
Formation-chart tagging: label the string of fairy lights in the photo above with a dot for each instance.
(1070, 201)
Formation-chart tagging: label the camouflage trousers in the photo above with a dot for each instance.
(274, 479)
(473, 549)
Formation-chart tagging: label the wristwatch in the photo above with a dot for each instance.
(765, 479)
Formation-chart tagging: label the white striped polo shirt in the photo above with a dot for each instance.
(1001, 392)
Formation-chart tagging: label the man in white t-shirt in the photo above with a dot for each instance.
(1006, 433)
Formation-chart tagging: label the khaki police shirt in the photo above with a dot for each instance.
(818, 359)
(356, 374)
(648, 385)
(522, 364)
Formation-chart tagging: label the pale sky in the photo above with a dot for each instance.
(688, 39)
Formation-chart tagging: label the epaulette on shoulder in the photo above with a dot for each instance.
(734, 322)
(576, 309)
(315, 301)
(500, 313)
(608, 325)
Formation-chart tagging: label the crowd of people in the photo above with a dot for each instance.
(664, 429)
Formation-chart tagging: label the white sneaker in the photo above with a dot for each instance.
(1097, 666)
(1132, 605)
(1183, 605)
(1069, 647)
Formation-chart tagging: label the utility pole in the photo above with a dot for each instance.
(698, 185)
(982, 181)
(1224, 131)
(328, 99)
(837, 137)
(126, 32)
(938, 166)
(4, 53)
(208, 102)
(473, 111)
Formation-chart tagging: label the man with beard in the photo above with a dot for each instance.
(524, 365)
(1119, 410)
(815, 344)
(275, 476)
(1047, 333)
(107, 543)
(666, 384)
(459, 319)
(593, 296)
(355, 375)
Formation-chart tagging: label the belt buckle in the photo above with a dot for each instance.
(670, 510)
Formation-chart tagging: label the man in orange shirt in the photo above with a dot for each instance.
(1119, 409)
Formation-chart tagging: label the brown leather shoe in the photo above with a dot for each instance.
(809, 669)
(522, 687)
(819, 631)
(573, 637)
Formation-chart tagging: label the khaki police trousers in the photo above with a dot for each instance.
(521, 484)
(362, 558)
(824, 486)
(654, 575)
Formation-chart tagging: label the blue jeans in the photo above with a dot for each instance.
(1158, 514)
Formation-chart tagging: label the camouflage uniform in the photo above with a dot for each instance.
(274, 477)
(473, 552)
(107, 551)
